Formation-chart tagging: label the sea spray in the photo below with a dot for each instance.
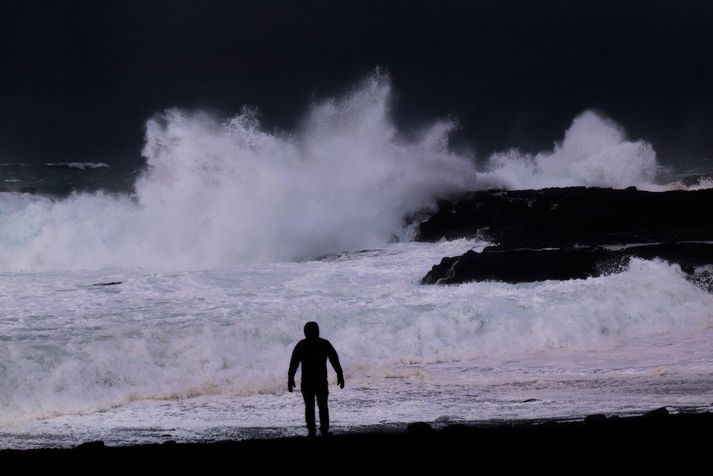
(595, 152)
(218, 193)
(69, 347)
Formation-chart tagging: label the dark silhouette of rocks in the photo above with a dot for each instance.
(418, 427)
(596, 419)
(570, 233)
(526, 265)
(658, 414)
(560, 217)
(91, 446)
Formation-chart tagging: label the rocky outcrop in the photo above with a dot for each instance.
(571, 233)
(527, 265)
(563, 217)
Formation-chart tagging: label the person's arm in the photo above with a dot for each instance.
(334, 360)
(294, 363)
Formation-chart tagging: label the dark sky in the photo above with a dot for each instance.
(78, 79)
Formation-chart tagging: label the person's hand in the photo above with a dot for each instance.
(290, 385)
(340, 381)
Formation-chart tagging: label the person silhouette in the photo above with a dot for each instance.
(312, 352)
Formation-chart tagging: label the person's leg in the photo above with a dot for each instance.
(323, 411)
(308, 396)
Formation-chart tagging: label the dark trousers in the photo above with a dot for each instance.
(321, 395)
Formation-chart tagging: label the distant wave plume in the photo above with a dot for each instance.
(218, 193)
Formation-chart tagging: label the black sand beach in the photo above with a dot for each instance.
(654, 440)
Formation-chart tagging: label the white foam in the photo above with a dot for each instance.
(704, 183)
(221, 193)
(218, 193)
(73, 348)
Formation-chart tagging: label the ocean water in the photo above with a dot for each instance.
(233, 237)
(203, 354)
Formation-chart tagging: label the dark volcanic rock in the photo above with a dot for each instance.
(558, 233)
(596, 419)
(526, 265)
(91, 446)
(560, 217)
(516, 266)
(658, 414)
(419, 428)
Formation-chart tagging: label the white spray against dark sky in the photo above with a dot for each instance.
(219, 193)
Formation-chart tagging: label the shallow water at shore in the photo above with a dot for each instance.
(202, 355)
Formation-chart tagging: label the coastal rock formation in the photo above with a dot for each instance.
(571, 233)
(527, 265)
(561, 217)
